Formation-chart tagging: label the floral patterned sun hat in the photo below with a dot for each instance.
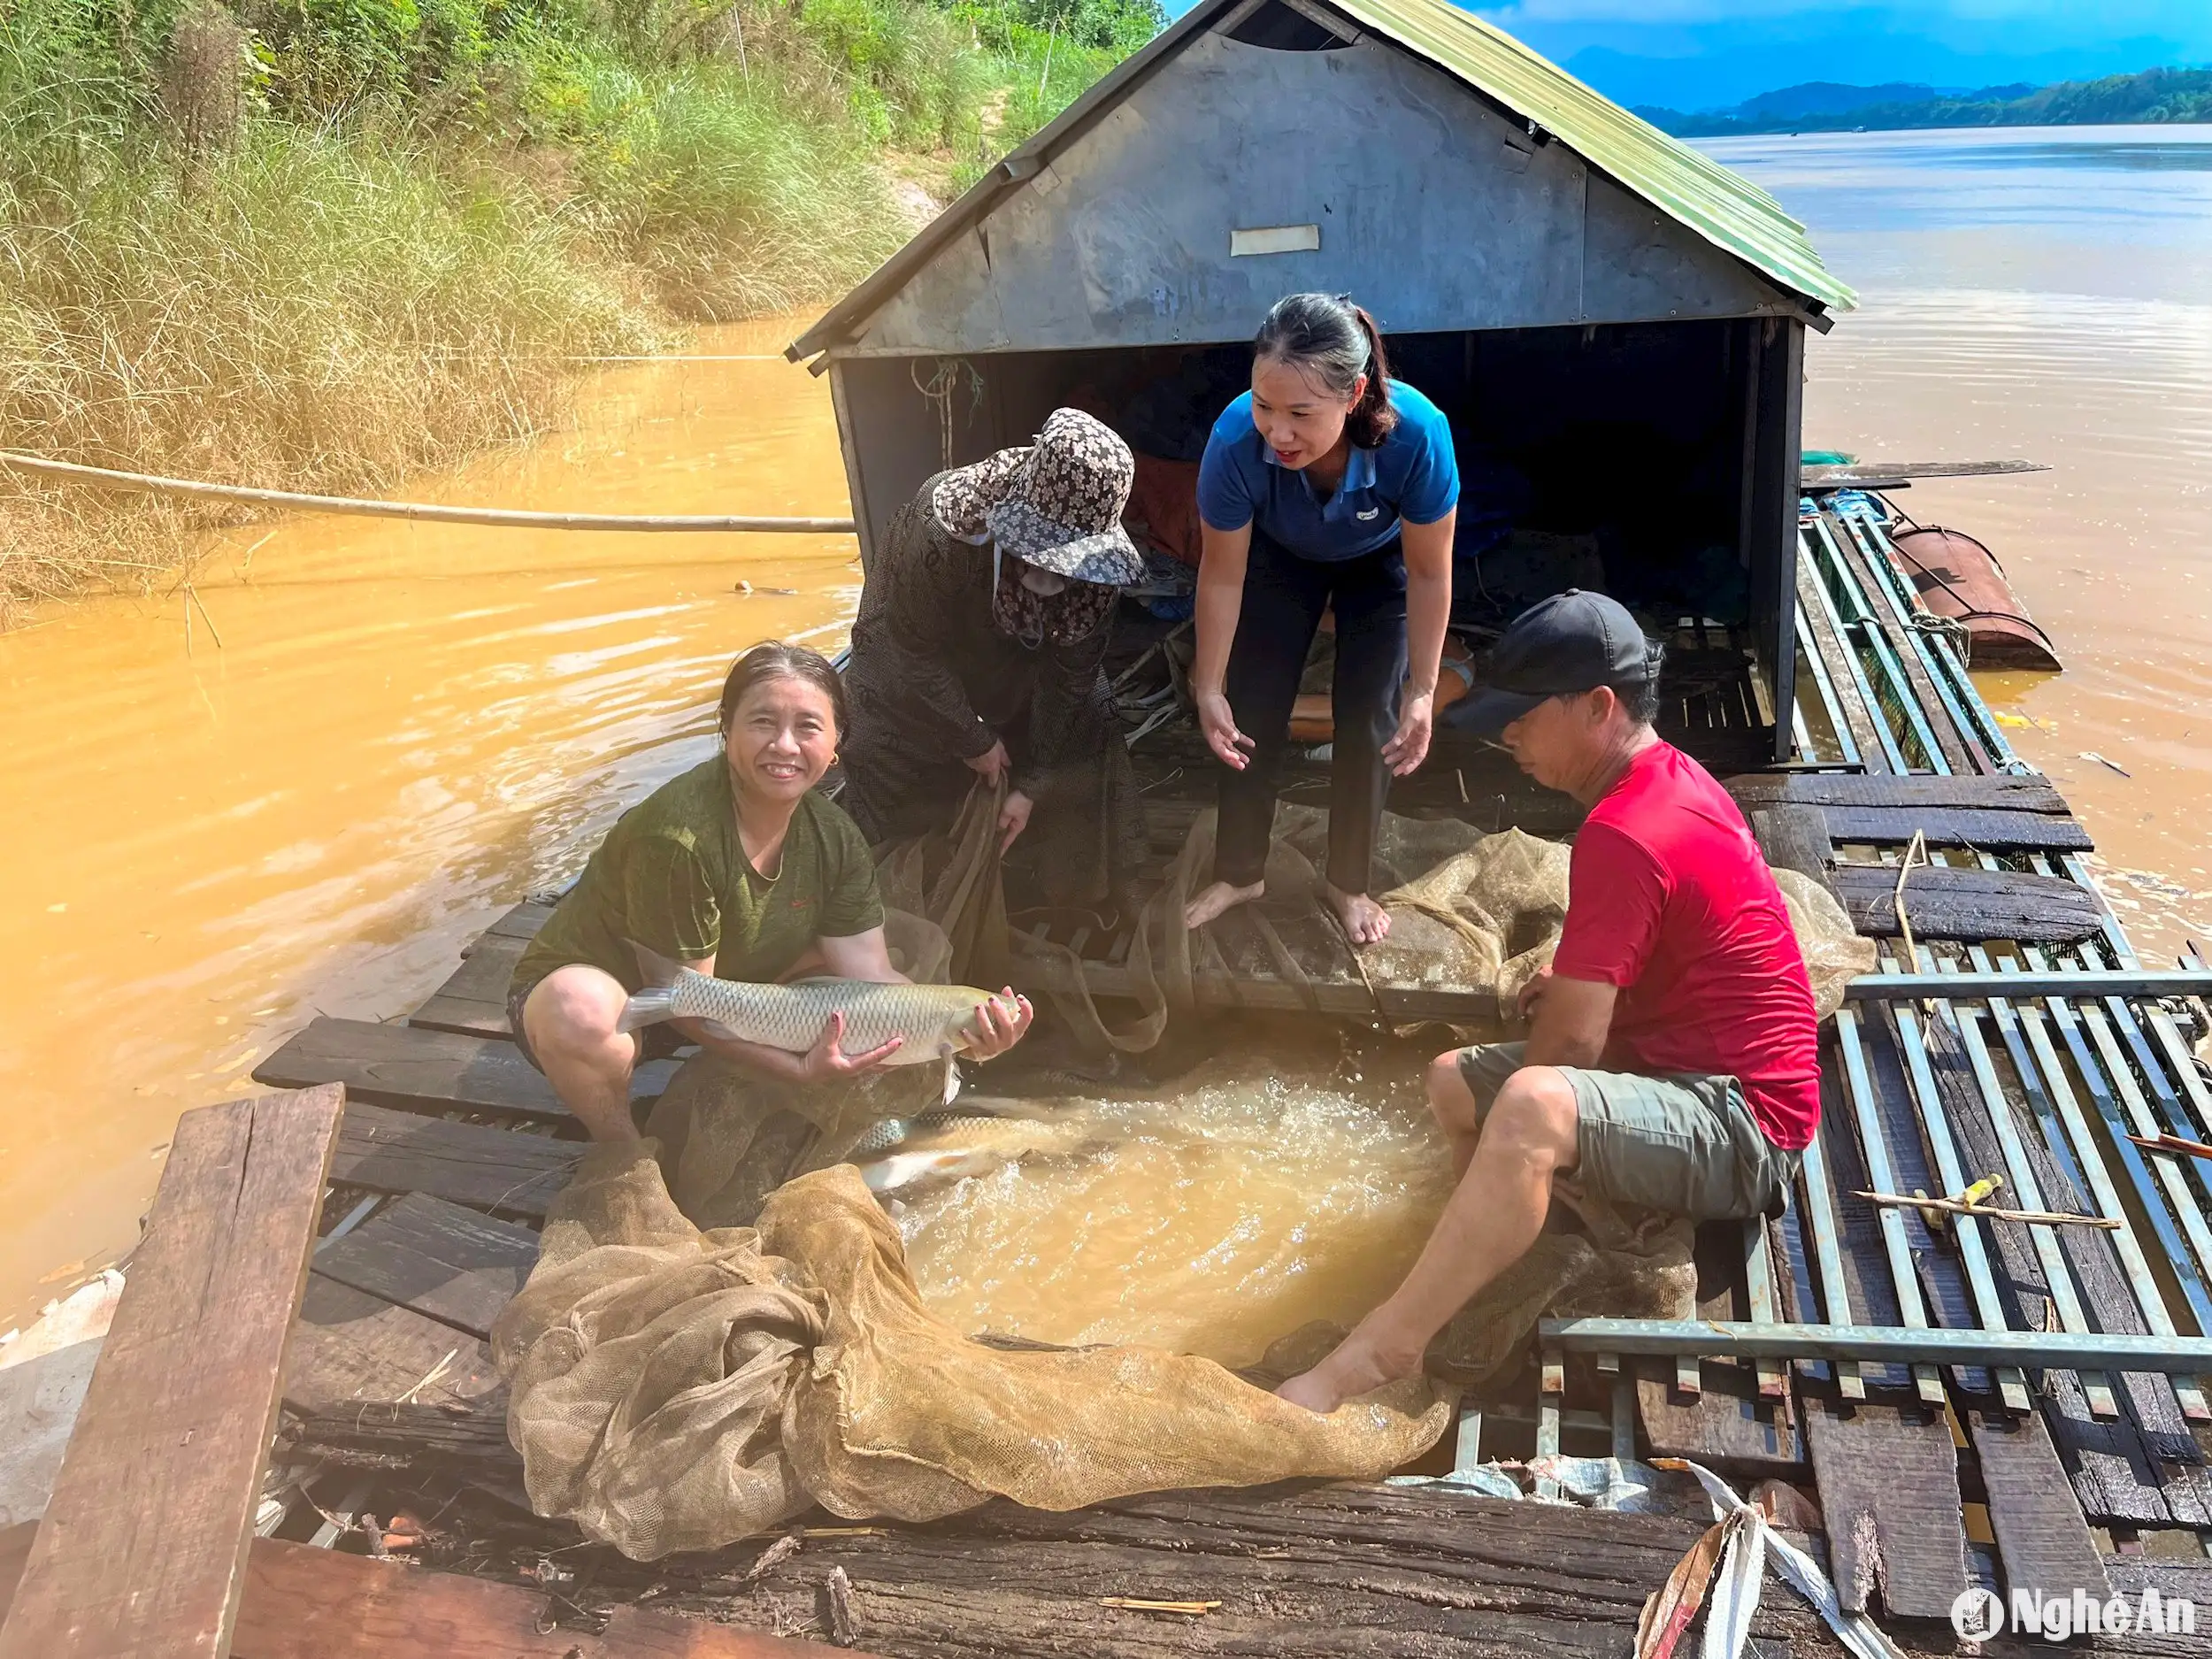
(1056, 504)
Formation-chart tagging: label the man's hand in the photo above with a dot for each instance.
(1013, 819)
(992, 762)
(1533, 992)
(1409, 745)
(999, 1024)
(1219, 724)
(827, 1060)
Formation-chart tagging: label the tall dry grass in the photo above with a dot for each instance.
(305, 310)
(313, 245)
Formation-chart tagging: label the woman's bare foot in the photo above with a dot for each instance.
(1216, 897)
(1365, 922)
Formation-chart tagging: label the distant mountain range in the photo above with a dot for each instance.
(1823, 106)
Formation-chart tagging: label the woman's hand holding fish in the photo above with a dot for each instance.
(828, 1058)
(999, 1024)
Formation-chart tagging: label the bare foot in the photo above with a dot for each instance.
(1365, 922)
(1357, 1367)
(1216, 897)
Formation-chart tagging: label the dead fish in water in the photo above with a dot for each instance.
(933, 1022)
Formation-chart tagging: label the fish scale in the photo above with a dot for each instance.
(933, 1021)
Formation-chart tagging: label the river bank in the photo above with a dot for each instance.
(319, 249)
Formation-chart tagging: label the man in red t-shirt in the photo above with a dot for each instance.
(1672, 1059)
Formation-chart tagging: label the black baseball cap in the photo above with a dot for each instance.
(1572, 641)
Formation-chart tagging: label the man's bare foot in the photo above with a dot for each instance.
(1357, 1367)
(1365, 922)
(1216, 897)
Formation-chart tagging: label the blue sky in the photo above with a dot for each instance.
(1709, 54)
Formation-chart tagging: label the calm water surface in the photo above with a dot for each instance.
(407, 728)
(2048, 294)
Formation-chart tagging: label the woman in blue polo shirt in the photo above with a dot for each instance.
(1327, 484)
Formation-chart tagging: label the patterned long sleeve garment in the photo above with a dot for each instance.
(943, 665)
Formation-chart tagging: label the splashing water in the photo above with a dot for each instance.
(1213, 1220)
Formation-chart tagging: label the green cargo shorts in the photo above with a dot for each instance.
(1684, 1143)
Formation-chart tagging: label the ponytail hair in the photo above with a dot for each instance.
(1333, 341)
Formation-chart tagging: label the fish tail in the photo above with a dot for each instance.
(648, 1007)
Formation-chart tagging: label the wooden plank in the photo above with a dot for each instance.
(522, 922)
(308, 1603)
(1303, 1571)
(142, 1548)
(350, 1347)
(1881, 474)
(437, 1258)
(1945, 903)
(1725, 1421)
(389, 1151)
(1889, 1488)
(301, 1602)
(1972, 792)
(422, 1071)
(1795, 838)
(2041, 1533)
(1958, 826)
(473, 1001)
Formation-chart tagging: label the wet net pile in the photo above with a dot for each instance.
(678, 1389)
(701, 1354)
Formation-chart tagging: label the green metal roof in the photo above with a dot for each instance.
(1726, 209)
(1723, 207)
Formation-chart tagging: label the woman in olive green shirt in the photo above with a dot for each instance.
(736, 868)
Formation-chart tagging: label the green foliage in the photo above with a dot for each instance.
(2155, 95)
(314, 243)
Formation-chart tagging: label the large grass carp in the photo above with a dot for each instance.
(933, 1021)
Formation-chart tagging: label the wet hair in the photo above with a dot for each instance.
(1640, 697)
(1326, 336)
(773, 659)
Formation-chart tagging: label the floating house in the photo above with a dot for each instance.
(1616, 315)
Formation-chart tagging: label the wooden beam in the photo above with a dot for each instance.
(1952, 826)
(443, 1262)
(350, 1347)
(1946, 902)
(487, 1168)
(142, 1548)
(307, 1604)
(1889, 1489)
(473, 999)
(428, 1070)
(1996, 791)
(1890, 475)
(299, 1603)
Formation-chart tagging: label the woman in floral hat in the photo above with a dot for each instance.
(978, 652)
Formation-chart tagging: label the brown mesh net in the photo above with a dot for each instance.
(674, 1389)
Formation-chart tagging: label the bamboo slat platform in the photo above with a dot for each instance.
(1930, 1475)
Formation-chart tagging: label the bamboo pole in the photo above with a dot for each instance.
(425, 511)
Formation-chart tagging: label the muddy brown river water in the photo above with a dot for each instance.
(406, 728)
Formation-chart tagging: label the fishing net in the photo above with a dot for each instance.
(1472, 914)
(674, 1389)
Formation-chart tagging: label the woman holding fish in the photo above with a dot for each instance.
(737, 870)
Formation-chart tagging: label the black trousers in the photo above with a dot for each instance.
(1284, 597)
